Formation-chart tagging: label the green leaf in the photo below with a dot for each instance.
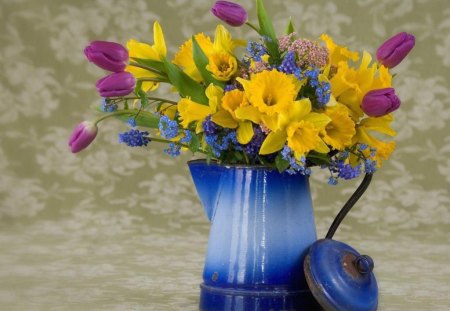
(268, 31)
(144, 98)
(138, 87)
(201, 61)
(155, 64)
(143, 118)
(318, 158)
(185, 84)
(281, 164)
(290, 27)
(194, 144)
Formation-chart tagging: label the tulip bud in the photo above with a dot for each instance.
(377, 103)
(107, 55)
(116, 84)
(82, 136)
(231, 13)
(395, 49)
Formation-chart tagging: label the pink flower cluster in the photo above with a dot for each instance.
(309, 53)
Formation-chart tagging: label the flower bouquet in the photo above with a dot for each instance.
(281, 103)
(285, 101)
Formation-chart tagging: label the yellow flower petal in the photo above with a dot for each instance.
(319, 120)
(271, 91)
(381, 124)
(303, 137)
(244, 132)
(214, 94)
(273, 142)
(338, 53)
(160, 43)
(138, 49)
(185, 59)
(248, 113)
(232, 100)
(223, 41)
(224, 119)
(222, 66)
(340, 131)
(191, 111)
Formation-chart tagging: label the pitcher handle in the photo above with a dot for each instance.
(348, 206)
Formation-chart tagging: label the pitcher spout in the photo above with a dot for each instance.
(206, 179)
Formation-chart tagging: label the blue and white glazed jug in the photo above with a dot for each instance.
(262, 225)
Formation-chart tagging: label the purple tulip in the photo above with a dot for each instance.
(395, 49)
(116, 84)
(231, 13)
(377, 103)
(82, 136)
(107, 55)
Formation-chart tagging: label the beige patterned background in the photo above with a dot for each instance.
(120, 229)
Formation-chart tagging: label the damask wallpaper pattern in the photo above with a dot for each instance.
(116, 228)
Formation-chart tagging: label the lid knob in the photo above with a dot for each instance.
(364, 264)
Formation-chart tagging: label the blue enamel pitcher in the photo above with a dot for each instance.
(262, 225)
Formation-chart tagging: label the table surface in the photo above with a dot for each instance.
(106, 258)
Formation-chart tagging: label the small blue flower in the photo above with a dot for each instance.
(332, 181)
(134, 138)
(187, 137)
(346, 171)
(131, 122)
(298, 74)
(211, 141)
(373, 152)
(313, 75)
(173, 150)
(106, 106)
(209, 127)
(253, 147)
(288, 65)
(370, 166)
(323, 93)
(229, 87)
(362, 147)
(256, 50)
(168, 128)
(286, 153)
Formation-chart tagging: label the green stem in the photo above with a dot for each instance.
(253, 27)
(134, 64)
(159, 99)
(153, 80)
(166, 141)
(116, 113)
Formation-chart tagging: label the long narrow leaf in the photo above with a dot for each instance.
(185, 84)
(201, 61)
(290, 27)
(268, 31)
(157, 65)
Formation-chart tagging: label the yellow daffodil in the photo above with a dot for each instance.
(341, 129)
(300, 128)
(191, 111)
(222, 66)
(338, 53)
(156, 52)
(349, 85)
(381, 126)
(223, 44)
(185, 58)
(271, 92)
(226, 117)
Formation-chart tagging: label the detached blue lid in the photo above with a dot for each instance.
(340, 278)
